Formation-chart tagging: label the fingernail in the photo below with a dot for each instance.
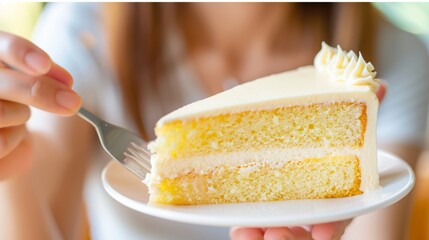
(38, 62)
(68, 100)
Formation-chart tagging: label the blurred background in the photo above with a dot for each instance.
(414, 18)
(411, 17)
(20, 18)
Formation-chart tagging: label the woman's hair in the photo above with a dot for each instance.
(136, 33)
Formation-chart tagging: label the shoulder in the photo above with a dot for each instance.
(399, 51)
(64, 23)
(70, 13)
(402, 62)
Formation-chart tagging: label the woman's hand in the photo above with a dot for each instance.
(324, 231)
(28, 77)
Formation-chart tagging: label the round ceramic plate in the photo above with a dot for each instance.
(396, 180)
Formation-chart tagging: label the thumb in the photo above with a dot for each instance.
(381, 91)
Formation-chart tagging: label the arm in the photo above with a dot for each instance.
(61, 158)
(40, 195)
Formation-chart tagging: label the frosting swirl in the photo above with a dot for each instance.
(346, 67)
(324, 57)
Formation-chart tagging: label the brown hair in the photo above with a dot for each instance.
(137, 31)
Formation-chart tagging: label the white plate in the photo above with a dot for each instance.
(396, 180)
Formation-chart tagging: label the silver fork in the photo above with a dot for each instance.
(121, 144)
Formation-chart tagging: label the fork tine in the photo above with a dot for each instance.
(142, 149)
(137, 160)
(135, 167)
(143, 158)
(137, 153)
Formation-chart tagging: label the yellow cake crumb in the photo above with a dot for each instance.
(314, 125)
(314, 178)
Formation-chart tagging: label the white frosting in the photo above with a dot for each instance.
(346, 67)
(303, 86)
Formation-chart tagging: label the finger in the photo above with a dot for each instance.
(296, 233)
(10, 138)
(240, 233)
(13, 114)
(59, 73)
(278, 233)
(16, 162)
(23, 55)
(329, 231)
(381, 91)
(41, 92)
(301, 234)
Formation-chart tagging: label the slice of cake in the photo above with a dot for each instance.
(303, 134)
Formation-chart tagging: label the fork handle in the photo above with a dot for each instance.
(90, 117)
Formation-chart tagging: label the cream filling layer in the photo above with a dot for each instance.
(273, 157)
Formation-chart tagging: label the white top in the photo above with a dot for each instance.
(402, 62)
